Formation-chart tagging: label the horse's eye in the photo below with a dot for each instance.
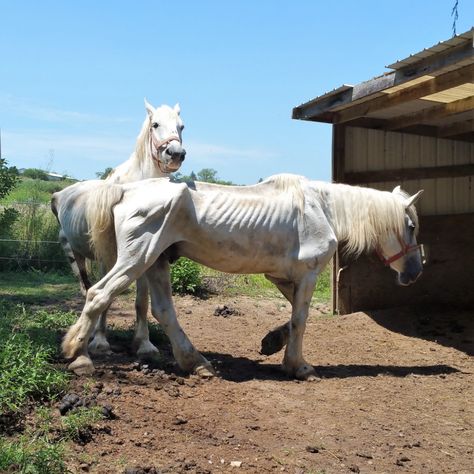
(412, 227)
(155, 125)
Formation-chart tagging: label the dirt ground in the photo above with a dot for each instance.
(396, 395)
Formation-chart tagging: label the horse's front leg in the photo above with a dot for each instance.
(141, 340)
(277, 338)
(99, 344)
(162, 308)
(98, 298)
(293, 361)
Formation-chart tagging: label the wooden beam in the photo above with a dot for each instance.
(431, 86)
(459, 128)
(431, 172)
(434, 64)
(431, 113)
(338, 153)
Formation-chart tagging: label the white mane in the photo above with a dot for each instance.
(362, 217)
(291, 184)
(143, 140)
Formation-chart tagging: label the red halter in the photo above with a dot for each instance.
(160, 144)
(405, 250)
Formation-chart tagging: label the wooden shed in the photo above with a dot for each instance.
(412, 126)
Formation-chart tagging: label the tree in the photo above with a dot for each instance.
(9, 177)
(208, 175)
(105, 173)
(35, 173)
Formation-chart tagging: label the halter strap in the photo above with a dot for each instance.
(404, 251)
(160, 144)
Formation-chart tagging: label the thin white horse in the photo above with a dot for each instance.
(286, 227)
(158, 153)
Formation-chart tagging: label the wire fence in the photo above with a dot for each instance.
(28, 237)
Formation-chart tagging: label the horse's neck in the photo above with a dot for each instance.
(135, 169)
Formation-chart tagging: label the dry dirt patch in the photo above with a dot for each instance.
(395, 396)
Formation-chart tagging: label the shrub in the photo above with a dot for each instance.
(35, 173)
(186, 276)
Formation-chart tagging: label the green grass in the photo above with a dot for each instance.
(36, 287)
(32, 455)
(258, 285)
(28, 345)
(34, 190)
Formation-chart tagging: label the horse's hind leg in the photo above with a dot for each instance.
(99, 344)
(141, 340)
(77, 263)
(187, 357)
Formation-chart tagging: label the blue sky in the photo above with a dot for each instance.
(73, 76)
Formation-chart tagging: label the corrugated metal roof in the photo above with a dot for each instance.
(436, 49)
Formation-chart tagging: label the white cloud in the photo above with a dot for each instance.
(25, 108)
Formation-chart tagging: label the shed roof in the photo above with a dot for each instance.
(428, 93)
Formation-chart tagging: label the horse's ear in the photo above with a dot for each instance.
(149, 108)
(396, 190)
(411, 200)
(177, 108)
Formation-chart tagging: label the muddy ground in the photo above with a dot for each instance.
(396, 395)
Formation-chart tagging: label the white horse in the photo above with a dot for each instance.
(286, 227)
(158, 153)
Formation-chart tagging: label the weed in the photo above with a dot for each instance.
(32, 455)
(185, 276)
(25, 355)
(80, 420)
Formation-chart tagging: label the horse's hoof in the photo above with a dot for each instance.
(274, 341)
(99, 348)
(147, 351)
(205, 371)
(307, 373)
(82, 366)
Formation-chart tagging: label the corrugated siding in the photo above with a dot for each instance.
(375, 150)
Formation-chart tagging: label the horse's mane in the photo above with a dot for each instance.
(291, 184)
(143, 139)
(362, 217)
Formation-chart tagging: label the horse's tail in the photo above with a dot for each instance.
(100, 219)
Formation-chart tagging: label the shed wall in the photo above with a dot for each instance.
(376, 150)
(446, 212)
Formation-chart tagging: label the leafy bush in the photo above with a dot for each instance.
(35, 173)
(185, 276)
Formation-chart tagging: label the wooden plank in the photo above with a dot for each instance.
(409, 93)
(467, 126)
(411, 159)
(375, 149)
(431, 113)
(409, 174)
(444, 185)
(461, 188)
(360, 149)
(338, 153)
(428, 152)
(435, 64)
(393, 154)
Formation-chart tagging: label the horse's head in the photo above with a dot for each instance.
(165, 128)
(400, 251)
